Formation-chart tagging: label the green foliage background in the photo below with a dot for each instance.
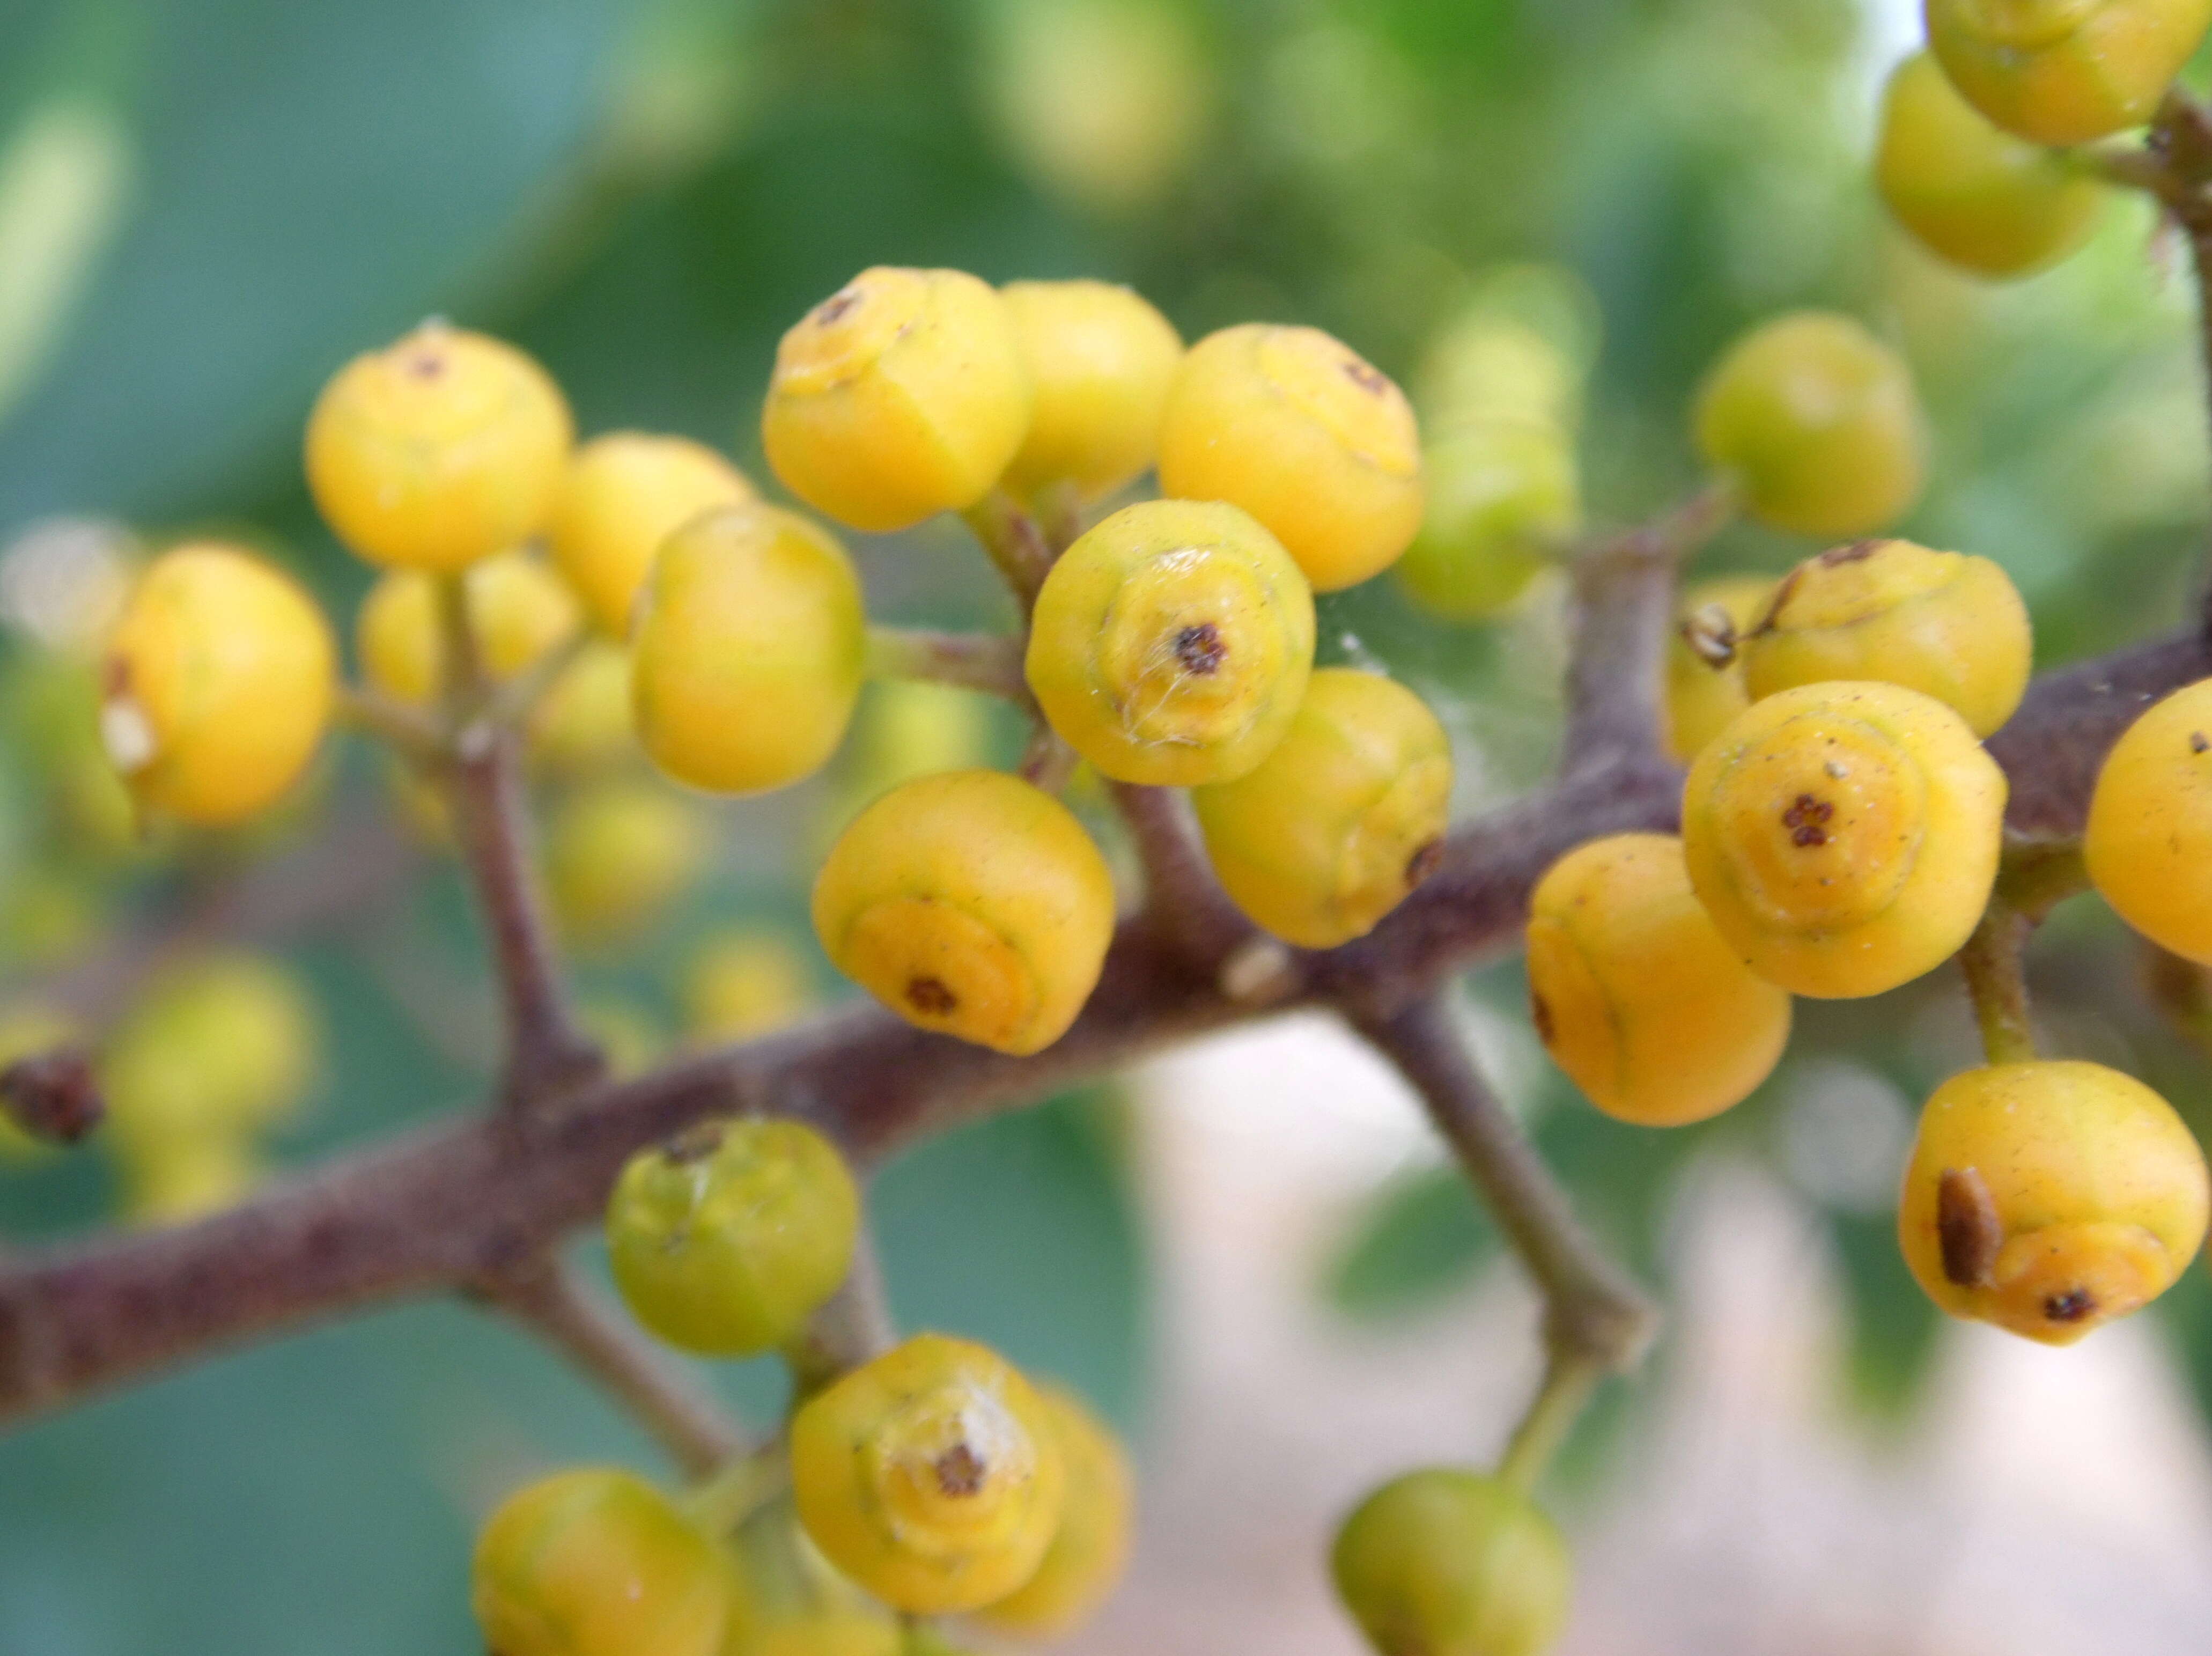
(646, 194)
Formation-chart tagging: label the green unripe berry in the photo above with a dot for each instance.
(1503, 495)
(726, 1239)
(1447, 1563)
(224, 1044)
(2065, 71)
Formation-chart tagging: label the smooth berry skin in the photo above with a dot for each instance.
(2051, 1197)
(726, 1238)
(902, 395)
(1101, 362)
(972, 903)
(1503, 496)
(1818, 423)
(751, 608)
(595, 1562)
(1636, 993)
(1171, 643)
(1703, 695)
(1449, 1562)
(1971, 192)
(518, 610)
(1340, 821)
(1091, 1548)
(742, 982)
(2065, 71)
(583, 724)
(621, 495)
(2148, 839)
(1944, 623)
(616, 854)
(218, 1043)
(1843, 836)
(931, 1475)
(216, 686)
(1489, 366)
(443, 448)
(1295, 428)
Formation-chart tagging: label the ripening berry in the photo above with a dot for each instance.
(1091, 1545)
(971, 903)
(902, 395)
(792, 1602)
(1447, 1563)
(1171, 643)
(1101, 361)
(1503, 497)
(443, 447)
(1705, 659)
(2049, 1197)
(1298, 430)
(1943, 624)
(1843, 836)
(621, 495)
(218, 1043)
(751, 641)
(175, 1181)
(1817, 422)
(2149, 841)
(217, 684)
(1636, 994)
(725, 1240)
(2065, 71)
(596, 1562)
(1493, 367)
(518, 610)
(582, 723)
(931, 1475)
(616, 854)
(1971, 192)
(1341, 819)
(744, 981)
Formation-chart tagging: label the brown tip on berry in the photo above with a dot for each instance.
(2197, 742)
(1967, 1227)
(1199, 648)
(960, 1471)
(932, 997)
(1423, 861)
(1857, 552)
(694, 1143)
(1368, 379)
(835, 306)
(53, 1095)
(2070, 1307)
(1806, 819)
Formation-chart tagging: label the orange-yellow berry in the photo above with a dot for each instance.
(1447, 1563)
(749, 650)
(971, 903)
(2065, 71)
(518, 610)
(1171, 643)
(1705, 659)
(442, 448)
(1503, 497)
(1843, 836)
(1101, 361)
(931, 1475)
(902, 395)
(745, 982)
(1817, 421)
(2049, 1197)
(1298, 430)
(1341, 820)
(582, 723)
(217, 684)
(1090, 1547)
(1946, 625)
(2149, 842)
(621, 495)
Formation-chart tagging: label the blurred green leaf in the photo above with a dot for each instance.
(1418, 1239)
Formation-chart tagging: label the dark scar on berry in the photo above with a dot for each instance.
(1199, 648)
(1423, 861)
(426, 365)
(1857, 552)
(2070, 1307)
(1804, 819)
(2197, 742)
(115, 678)
(694, 1143)
(1539, 1014)
(835, 306)
(960, 1471)
(1967, 1228)
(1368, 379)
(931, 996)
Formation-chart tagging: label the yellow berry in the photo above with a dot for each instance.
(2065, 71)
(1705, 663)
(1970, 191)
(217, 684)
(745, 982)
(583, 724)
(442, 448)
(222, 1044)
(28, 1028)
(902, 395)
(1817, 422)
(1298, 430)
(2049, 1197)
(1341, 819)
(616, 854)
(1636, 994)
(970, 902)
(905, 728)
(1171, 643)
(623, 494)
(1090, 1547)
(1518, 352)
(1843, 836)
(180, 1179)
(748, 651)
(1100, 360)
(596, 1562)
(1946, 625)
(1447, 1563)
(630, 1039)
(1503, 495)
(518, 610)
(2149, 842)
(931, 1475)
